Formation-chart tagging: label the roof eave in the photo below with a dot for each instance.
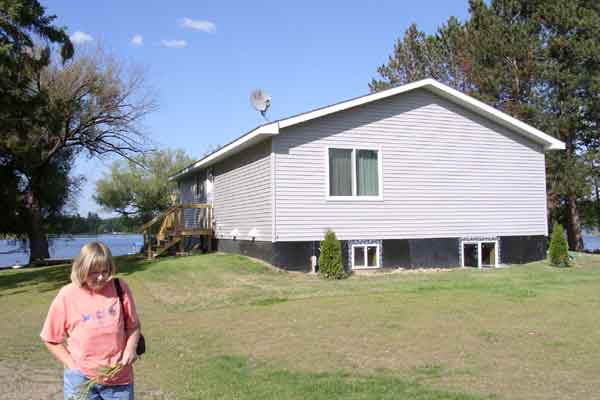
(556, 146)
(254, 136)
(273, 128)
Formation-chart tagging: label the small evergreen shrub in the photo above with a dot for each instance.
(559, 249)
(330, 259)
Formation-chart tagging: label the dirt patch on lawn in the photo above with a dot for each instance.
(20, 381)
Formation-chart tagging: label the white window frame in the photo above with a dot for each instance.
(478, 243)
(365, 245)
(354, 196)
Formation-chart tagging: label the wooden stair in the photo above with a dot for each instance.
(173, 229)
(162, 248)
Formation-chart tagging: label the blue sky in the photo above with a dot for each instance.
(203, 58)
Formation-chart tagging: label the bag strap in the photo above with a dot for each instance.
(120, 294)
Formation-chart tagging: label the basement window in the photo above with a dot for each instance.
(470, 255)
(479, 253)
(365, 256)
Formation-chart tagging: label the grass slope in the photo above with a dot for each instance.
(226, 327)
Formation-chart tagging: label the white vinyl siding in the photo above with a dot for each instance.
(243, 194)
(445, 172)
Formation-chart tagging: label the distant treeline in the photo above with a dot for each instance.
(92, 224)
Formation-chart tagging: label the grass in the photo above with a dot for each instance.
(226, 327)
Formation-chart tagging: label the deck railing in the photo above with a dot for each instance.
(176, 222)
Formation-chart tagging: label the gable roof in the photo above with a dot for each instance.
(273, 128)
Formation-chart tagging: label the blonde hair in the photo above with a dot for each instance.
(94, 255)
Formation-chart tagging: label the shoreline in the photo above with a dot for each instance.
(66, 247)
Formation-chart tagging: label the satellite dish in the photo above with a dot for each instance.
(261, 101)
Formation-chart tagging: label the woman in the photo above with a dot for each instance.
(88, 312)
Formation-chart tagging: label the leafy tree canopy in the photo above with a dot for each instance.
(538, 60)
(139, 188)
(54, 107)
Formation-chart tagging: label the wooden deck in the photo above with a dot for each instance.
(169, 229)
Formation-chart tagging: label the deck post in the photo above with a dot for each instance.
(148, 244)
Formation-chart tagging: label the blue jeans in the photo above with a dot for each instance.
(74, 379)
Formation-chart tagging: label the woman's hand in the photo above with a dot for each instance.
(62, 354)
(107, 373)
(129, 354)
(101, 379)
(129, 357)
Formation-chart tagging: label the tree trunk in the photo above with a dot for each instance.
(552, 205)
(38, 242)
(574, 226)
(597, 204)
(573, 223)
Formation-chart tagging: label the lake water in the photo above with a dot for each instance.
(591, 242)
(61, 247)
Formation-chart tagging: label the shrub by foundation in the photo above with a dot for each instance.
(330, 260)
(559, 249)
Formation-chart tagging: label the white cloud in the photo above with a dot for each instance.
(174, 44)
(80, 37)
(204, 26)
(137, 40)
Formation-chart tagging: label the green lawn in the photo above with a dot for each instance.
(225, 327)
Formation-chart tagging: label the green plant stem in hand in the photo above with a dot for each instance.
(104, 374)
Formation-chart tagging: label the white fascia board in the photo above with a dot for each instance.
(472, 104)
(237, 145)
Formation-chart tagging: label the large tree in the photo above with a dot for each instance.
(25, 26)
(571, 33)
(27, 38)
(537, 60)
(90, 107)
(416, 56)
(140, 189)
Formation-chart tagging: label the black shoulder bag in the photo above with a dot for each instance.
(141, 344)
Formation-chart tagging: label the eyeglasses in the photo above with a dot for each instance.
(104, 272)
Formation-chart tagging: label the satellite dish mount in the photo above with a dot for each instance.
(261, 101)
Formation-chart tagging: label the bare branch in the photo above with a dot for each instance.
(95, 107)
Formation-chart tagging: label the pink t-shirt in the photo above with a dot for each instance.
(93, 324)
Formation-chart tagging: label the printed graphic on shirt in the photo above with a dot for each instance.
(102, 316)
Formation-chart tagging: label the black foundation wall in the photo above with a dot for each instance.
(345, 255)
(397, 253)
(291, 256)
(421, 253)
(522, 249)
(294, 256)
(261, 250)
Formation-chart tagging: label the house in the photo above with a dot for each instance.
(419, 175)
